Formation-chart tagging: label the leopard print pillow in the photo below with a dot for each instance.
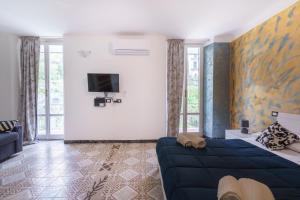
(276, 137)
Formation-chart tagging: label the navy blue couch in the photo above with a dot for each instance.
(11, 143)
(190, 174)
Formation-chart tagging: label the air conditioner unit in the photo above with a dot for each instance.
(132, 52)
(130, 47)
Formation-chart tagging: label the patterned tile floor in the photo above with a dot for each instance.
(54, 170)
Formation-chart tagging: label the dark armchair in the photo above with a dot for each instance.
(11, 142)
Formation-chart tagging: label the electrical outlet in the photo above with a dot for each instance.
(274, 114)
(108, 100)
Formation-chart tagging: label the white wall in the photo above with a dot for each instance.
(141, 115)
(9, 85)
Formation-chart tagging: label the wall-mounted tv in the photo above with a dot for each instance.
(103, 82)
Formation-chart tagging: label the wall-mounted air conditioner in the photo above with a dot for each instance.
(130, 47)
(132, 52)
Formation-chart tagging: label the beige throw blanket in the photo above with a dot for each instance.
(243, 189)
(229, 189)
(191, 140)
(184, 140)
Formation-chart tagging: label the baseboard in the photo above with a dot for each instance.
(108, 141)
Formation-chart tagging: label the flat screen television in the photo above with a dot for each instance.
(103, 82)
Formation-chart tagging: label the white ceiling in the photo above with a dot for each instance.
(189, 19)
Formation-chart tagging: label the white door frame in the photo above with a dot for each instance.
(185, 114)
(48, 136)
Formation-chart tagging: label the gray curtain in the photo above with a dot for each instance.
(175, 77)
(29, 65)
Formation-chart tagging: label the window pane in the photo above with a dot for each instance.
(41, 125)
(56, 49)
(42, 48)
(193, 88)
(181, 124)
(182, 104)
(56, 81)
(193, 123)
(41, 86)
(56, 125)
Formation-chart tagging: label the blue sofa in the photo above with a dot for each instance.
(11, 143)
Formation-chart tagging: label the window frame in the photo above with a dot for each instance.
(48, 136)
(184, 113)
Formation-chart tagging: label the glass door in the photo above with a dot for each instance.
(191, 109)
(51, 91)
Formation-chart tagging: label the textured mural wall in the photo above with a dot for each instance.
(265, 70)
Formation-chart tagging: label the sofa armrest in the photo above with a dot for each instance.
(19, 143)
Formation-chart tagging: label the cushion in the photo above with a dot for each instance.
(295, 147)
(7, 126)
(276, 137)
(290, 121)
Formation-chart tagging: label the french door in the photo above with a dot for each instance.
(191, 109)
(51, 91)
